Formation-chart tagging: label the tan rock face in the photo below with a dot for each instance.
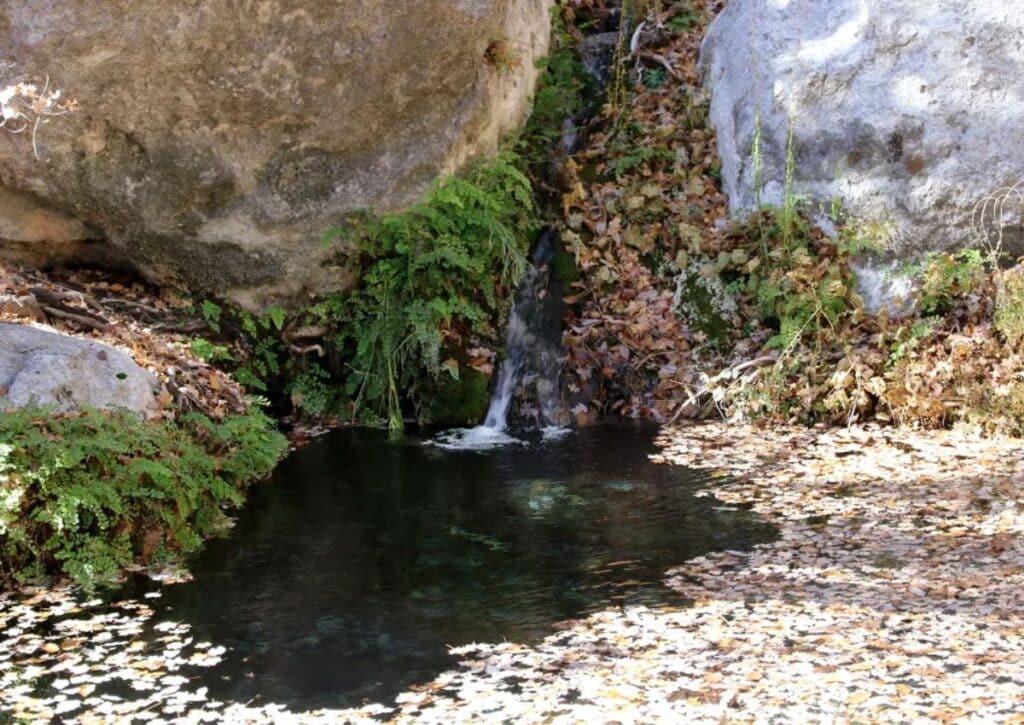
(219, 139)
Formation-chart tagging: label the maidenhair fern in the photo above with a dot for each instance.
(442, 266)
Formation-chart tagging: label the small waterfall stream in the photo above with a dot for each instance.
(532, 367)
(533, 360)
(532, 345)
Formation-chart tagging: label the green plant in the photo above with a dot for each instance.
(563, 91)
(909, 338)
(638, 156)
(944, 277)
(211, 313)
(861, 237)
(442, 268)
(683, 22)
(257, 354)
(264, 349)
(802, 304)
(315, 394)
(84, 493)
(210, 352)
(654, 78)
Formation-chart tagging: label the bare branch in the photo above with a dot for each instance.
(24, 103)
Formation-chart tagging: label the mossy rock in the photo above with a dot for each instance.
(460, 402)
(564, 267)
(701, 311)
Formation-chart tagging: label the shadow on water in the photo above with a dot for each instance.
(348, 576)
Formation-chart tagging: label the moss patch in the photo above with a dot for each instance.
(460, 402)
(564, 267)
(697, 302)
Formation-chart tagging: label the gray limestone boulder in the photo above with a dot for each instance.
(217, 142)
(908, 111)
(44, 368)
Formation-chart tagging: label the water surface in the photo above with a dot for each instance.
(351, 572)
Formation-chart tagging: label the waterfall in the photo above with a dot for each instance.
(533, 359)
(532, 346)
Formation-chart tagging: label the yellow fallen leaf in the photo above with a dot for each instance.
(858, 698)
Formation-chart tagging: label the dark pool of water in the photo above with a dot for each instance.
(351, 572)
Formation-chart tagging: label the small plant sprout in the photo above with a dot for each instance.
(993, 215)
(504, 55)
(26, 106)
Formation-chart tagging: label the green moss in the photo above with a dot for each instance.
(84, 494)
(564, 89)
(703, 306)
(564, 267)
(461, 401)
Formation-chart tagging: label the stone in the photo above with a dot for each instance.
(43, 368)
(908, 111)
(35, 236)
(597, 53)
(217, 143)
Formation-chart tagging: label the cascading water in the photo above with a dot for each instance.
(531, 346)
(533, 360)
(533, 354)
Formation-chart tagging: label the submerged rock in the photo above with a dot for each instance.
(906, 110)
(44, 368)
(218, 142)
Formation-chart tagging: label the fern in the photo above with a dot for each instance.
(80, 492)
(943, 278)
(448, 263)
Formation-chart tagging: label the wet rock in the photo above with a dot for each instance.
(597, 52)
(217, 143)
(44, 368)
(462, 400)
(907, 111)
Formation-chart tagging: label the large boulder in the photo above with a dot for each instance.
(44, 368)
(218, 141)
(909, 111)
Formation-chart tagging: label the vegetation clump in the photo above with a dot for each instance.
(431, 278)
(564, 91)
(86, 494)
(1009, 317)
(418, 334)
(681, 313)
